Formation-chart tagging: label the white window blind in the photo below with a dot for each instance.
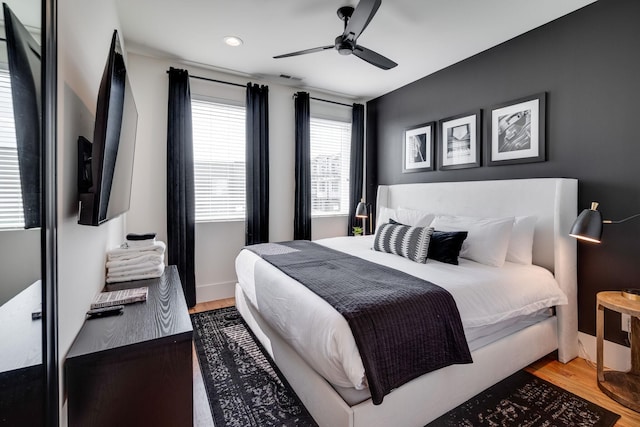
(11, 213)
(330, 164)
(219, 160)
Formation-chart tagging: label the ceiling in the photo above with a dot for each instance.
(422, 36)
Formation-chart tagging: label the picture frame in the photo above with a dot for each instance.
(418, 145)
(516, 131)
(459, 143)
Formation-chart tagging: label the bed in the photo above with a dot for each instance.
(552, 201)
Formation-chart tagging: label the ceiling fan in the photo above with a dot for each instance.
(355, 21)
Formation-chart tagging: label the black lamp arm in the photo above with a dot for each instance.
(609, 221)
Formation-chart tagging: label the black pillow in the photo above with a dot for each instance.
(445, 246)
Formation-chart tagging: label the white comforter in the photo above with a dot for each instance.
(484, 295)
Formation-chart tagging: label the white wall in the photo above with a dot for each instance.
(218, 243)
(85, 28)
(19, 261)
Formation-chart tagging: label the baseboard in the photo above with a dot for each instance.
(616, 356)
(215, 291)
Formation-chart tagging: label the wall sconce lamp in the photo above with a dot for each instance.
(588, 227)
(363, 210)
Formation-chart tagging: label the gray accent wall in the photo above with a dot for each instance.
(588, 63)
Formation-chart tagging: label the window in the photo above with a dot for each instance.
(330, 163)
(11, 213)
(219, 160)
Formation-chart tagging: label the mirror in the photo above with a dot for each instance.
(22, 369)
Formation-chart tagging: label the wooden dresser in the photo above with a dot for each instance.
(135, 369)
(21, 369)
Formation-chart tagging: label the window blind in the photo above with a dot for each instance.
(219, 160)
(11, 212)
(330, 163)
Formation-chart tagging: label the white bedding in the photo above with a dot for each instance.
(485, 296)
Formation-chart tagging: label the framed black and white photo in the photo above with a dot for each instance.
(418, 148)
(459, 142)
(516, 131)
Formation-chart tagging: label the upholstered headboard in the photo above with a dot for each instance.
(552, 200)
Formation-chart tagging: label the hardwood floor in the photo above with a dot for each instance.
(577, 376)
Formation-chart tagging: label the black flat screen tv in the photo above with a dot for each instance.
(23, 54)
(105, 166)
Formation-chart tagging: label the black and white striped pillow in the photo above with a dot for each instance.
(403, 240)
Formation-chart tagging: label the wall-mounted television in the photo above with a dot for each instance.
(23, 55)
(105, 165)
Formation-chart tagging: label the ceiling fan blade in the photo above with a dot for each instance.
(361, 17)
(373, 58)
(303, 52)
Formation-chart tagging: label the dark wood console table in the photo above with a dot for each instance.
(21, 368)
(135, 369)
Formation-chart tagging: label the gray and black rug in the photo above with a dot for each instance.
(526, 400)
(245, 388)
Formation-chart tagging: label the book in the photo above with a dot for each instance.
(125, 296)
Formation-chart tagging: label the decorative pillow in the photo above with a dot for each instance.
(521, 244)
(413, 217)
(384, 215)
(445, 246)
(488, 238)
(403, 240)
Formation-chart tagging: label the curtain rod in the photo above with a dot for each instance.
(239, 85)
(326, 100)
(215, 81)
(330, 102)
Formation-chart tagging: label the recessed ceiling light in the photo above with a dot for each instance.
(233, 41)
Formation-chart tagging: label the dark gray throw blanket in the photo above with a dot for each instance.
(403, 326)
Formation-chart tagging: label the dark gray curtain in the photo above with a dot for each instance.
(180, 191)
(355, 170)
(257, 164)
(302, 209)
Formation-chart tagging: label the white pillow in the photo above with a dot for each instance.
(384, 215)
(488, 238)
(413, 217)
(521, 244)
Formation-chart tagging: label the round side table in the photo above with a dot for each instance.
(623, 387)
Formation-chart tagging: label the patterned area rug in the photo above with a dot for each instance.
(526, 400)
(244, 387)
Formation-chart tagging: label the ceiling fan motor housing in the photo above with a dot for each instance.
(344, 46)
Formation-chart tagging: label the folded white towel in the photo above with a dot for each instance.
(118, 254)
(151, 257)
(139, 243)
(157, 273)
(132, 269)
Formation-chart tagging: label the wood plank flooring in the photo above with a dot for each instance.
(577, 376)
